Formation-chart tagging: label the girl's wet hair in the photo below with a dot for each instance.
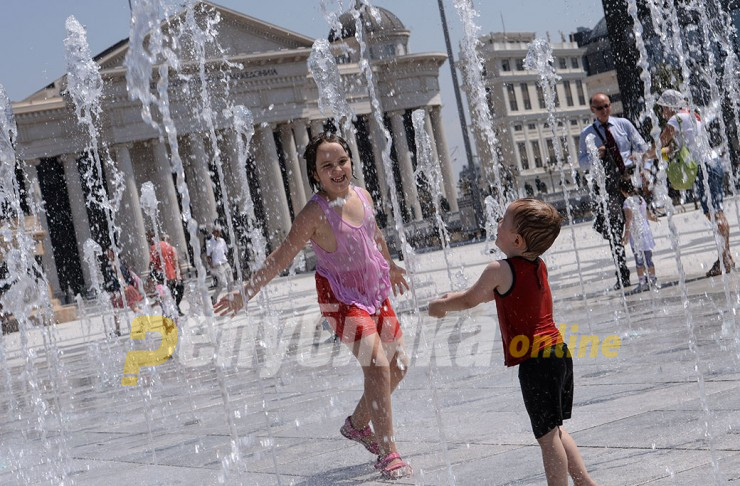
(537, 222)
(627, 187)
(312, 149)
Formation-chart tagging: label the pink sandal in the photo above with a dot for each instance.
(363, 436)
(389, 470)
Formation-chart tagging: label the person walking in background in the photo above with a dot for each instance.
(129, 282)
(637, 232)
(684, 129)
(217, 255)
(354, 276)
(520, 288)
(619, 144)
(170, 271)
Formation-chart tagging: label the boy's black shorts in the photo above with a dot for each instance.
(547, 389)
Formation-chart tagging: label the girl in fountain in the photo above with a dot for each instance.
(519, 286)
(637, 232)
(354, 276)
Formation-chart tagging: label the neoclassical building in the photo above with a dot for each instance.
(518, 102)
(270, 76)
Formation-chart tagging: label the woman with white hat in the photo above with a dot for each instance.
(683, 129)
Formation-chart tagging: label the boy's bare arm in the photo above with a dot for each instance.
(481, 291)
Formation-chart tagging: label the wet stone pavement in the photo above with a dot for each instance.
(662, 408)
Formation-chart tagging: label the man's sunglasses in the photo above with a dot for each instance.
(602, 107)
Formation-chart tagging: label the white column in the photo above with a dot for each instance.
(47, 259)
(295, 184)
(203, 184)
(317, 126)
(351, 138)
(434, 124)
(133, 238)
(301, 138)
(377, 138)
(80, 220)
(231, 167)
(169, 208)
(404, 161)
(271, 186)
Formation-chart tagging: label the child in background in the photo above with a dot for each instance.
(354, 276)
(519, 286)
(637, 232)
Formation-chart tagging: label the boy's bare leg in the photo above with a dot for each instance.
(576, 466)
(554, 458)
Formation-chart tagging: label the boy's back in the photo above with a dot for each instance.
(525, 311)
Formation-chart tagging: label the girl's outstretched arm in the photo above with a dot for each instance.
(304, 227)
(495, 275)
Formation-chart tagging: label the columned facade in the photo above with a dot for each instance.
(80, 220)
(169, 207)
(275, 84)
(411, 195)
(34, 193)
(133, 241)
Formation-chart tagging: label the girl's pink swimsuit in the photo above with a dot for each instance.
(354, 281)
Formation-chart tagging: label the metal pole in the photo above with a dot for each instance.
(475, 189)
(456, 86)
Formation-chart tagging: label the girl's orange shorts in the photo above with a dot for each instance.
(350, 322)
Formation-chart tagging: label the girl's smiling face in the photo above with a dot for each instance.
(333, 169)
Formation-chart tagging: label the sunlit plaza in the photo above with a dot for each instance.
(195, 127)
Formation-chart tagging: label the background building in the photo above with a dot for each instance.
(270, 76)
(518, 104)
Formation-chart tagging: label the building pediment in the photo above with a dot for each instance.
(238, 35)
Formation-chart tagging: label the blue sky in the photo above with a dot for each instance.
(32, 32)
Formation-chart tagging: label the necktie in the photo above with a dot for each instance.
(612, 149)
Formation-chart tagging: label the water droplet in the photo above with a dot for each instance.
(269, 108)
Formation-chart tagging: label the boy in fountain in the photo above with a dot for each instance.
(519, 286)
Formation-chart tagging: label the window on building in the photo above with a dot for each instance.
(523, 155)
(536, 153)
(518, 127)
(562, 63)
(560, 124)
(525, 96)
(343, 58)
(505, 66)
(574, 123)
(540, 97)
(574, 62)
(520, 64)
(550, 151)
(568, 93)
(513, 105)
(531, 126)
(557, 96)
(576, 142)
(581, 95)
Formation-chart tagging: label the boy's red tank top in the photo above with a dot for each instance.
(525, 311)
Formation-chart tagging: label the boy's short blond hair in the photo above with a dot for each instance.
(537, 222)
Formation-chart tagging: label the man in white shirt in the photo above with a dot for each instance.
(217, 255)
(619, 144)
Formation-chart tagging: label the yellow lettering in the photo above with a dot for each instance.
(610, 346)
(514, 348)
(537, 345)
(594, 340)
